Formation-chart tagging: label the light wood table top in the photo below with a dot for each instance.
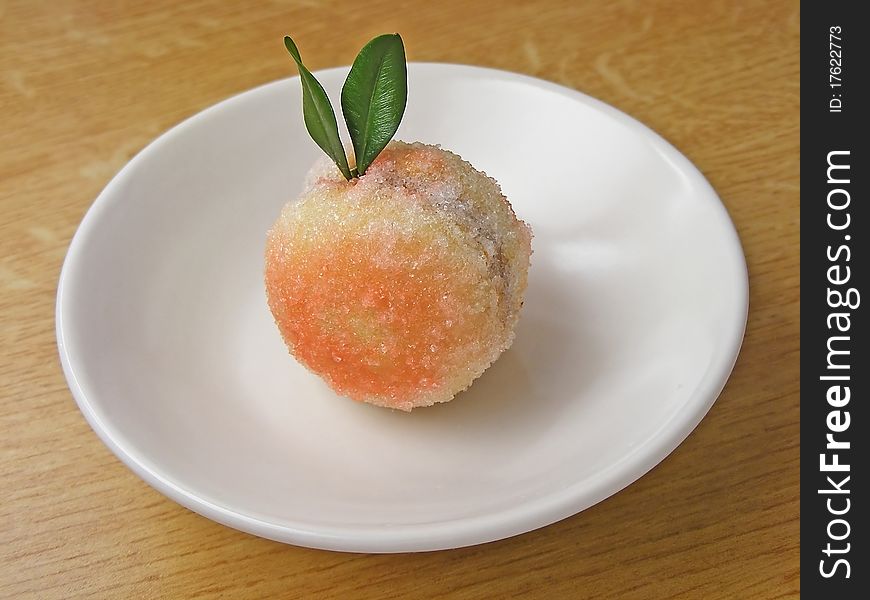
(86, 84)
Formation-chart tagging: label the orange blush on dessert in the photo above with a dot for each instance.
(397, 276)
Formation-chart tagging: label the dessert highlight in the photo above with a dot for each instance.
(398, 274)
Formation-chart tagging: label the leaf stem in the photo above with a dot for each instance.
(318, 114)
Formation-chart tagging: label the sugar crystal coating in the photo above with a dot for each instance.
(401, 287)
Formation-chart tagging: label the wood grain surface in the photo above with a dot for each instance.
(86, 84)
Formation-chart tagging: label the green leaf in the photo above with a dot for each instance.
(374, 95)
(318, 114)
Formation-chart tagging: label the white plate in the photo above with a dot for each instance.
(634, 316)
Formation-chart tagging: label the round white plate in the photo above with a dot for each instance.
(633, 319)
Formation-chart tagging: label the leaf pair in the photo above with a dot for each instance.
(373, 101)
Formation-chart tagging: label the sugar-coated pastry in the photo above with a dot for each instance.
(397, 276)
(401, 286)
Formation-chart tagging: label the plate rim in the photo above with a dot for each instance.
(538, 512)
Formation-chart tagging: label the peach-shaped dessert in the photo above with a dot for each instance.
(398, 276)
(402, 286)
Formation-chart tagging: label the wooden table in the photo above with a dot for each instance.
(86, 84)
